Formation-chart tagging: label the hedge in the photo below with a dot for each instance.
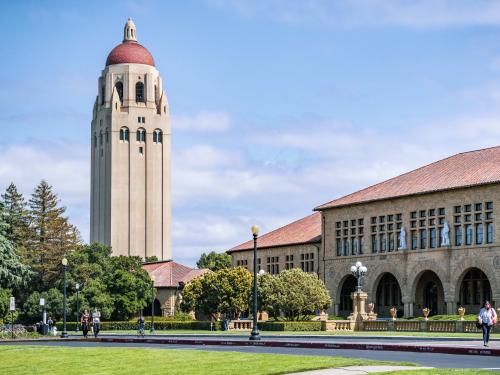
(291, 326)
(162, 325)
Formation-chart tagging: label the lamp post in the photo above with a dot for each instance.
(255, 330)
(77, 287)
(64, 333)
(358, 271)
(152, 330)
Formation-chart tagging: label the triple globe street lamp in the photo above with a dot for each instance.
(358, 271)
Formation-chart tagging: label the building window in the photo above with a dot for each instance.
(423, 239)
(354, 246)
(103, 90)
(124, 134)
(432, 235)
(157, 136)
(374, 243)
(100, 138)
(361, 244)
(383, 243)
(489, 233)
(489, 205)
(441, 211)
(458, 235)
(95, 140)
(273, 266)
(139, 92)
(141, 135)
(478, 206)
(414, 240)
(307, 262)
(346, 246)
(289, 262)
(119, 90)
(479, 234)
(391, 242)
(468, 234)
(107, 135)
(141, 150)
(339, 247)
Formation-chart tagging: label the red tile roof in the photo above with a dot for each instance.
(169, 274)
(306, 230)
(130, 52)
(458, 171)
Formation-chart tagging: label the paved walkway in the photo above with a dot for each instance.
(358, 370)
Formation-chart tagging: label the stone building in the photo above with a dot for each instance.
(428, 237)
(295, 245)
(130, 170)
(169, 278)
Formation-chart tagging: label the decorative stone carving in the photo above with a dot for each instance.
(402, 239)
(371, 313)
(445, 235)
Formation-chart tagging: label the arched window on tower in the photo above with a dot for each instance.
(95, 140)
(124, 134)
(139, 92)
(119, 89)
(156, 94)
(157, 136)
(103, 91)
(141, 135)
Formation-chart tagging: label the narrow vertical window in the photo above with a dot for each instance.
(423, 239)
(346, 247)
(489, 233)
(414, 240)
(458, 235)
(95, 140)
(157, 136)
(119, 90)
(432, 235)
(354, 246)
(479, 234)
(139, 92)
(100, 138)
(124, 134)
(339, 247)
(374, 243)
(391, 241)
(141, 135)
(361, 244)
(383, 244)
(468, 234)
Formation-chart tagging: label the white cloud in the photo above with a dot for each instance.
(354, 13)
(203, 122)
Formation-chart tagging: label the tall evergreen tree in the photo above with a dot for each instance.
(53, 236)
(17, 219)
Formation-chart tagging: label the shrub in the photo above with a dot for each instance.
(291, 326)
(159, 325)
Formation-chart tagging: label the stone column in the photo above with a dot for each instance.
(336, 309)
(408, 307)
(450, 306)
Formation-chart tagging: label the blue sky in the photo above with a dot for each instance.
(277, 106)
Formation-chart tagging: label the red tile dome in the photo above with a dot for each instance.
(130, 52)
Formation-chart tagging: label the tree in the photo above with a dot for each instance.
(4, 303)
(54, 305)
(301, 294)
(214, 261)
(13, 273)
(17, 219)
(53, 237)
(226, 291)
(270, 290)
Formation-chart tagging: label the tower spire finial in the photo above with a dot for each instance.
(129, 31)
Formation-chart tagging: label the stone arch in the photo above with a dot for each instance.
(486, 267)
(473, 292)
(428, 291)
(376, 273)
(388, 294)
(416, 272)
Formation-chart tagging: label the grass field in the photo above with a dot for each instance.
(440, 371)
(24, 360)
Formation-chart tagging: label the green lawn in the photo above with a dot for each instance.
(299, 333)
(20, 359)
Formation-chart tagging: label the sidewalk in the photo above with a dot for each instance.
(358, 370)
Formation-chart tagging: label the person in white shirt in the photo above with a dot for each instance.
(96, 320)
(487, 318)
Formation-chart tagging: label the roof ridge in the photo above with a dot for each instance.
(321, 206)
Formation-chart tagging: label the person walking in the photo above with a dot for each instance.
(85, 321)
(96, 320)
(487, 318)
(142, 325)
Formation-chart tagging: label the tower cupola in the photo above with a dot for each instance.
(129, 32)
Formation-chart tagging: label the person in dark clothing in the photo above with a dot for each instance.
(85, 321)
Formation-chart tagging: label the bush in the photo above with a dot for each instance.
(448, 317)
(291, 326)
(159, 325)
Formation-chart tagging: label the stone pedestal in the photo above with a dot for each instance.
(359, 314)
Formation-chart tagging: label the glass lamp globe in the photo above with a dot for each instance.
(358, 264)
(353, 269)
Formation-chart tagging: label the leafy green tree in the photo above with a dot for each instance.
(4, 303)
(270, 294)
(214, 261)
(226, 291)
(54, 304)
(13, 273)
(17, 218)
(152, 258)
(53, 236)
(301, 294)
